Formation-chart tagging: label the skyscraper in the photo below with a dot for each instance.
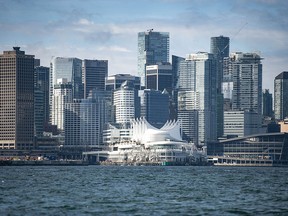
(126, 103)
(94, 73)
(16, 100)
(247, 82)
(159, 77)
(267, 103)
(219, 47)
(41, 79)
(281, 96)
(154, 106)
(84, 122)
(197, 99)
(153, 48)
(246, 72)
(70, 69)
(62, 94)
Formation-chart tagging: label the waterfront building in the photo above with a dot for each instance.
(16, 100)
(69, 69)
(197, 99)
(153, 48)
(159, 77)
(154, 106)
(269, 149)
(41, 91)
(241, 123)
(116, 133)
(126, 103)
(62, 94)
(114, 82)
(267, 103)
(281, 96)
(94, 73)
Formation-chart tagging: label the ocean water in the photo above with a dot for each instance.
(143, 190)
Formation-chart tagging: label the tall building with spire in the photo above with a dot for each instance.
(153, 48)
(281, 96)
(16, 100)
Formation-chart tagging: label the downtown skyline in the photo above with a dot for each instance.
(108, 29)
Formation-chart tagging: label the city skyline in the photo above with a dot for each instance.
(108, 29)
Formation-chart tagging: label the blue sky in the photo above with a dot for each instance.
(107, 29)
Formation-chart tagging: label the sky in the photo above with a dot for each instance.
(107, 29)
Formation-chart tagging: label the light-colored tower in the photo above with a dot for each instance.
(246, 69)
(16, 100)
(153, 48)
(62, 94)
(197, 99)
(281, 96)
(126, 103)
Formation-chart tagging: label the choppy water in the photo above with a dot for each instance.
(116, 190)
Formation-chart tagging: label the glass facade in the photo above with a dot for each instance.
(153, 48)
(263, 149)
(197, 97)
(154, 106)
(281, 96)
(94, 73)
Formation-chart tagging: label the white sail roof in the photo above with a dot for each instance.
(144, 132)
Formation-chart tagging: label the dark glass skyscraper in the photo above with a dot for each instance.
(281, 96)
(219, 47)
(153, 48)
(267, 103)
(16, 100)
(159, 77)
(41, 79)
(94, 73)
(154, 106)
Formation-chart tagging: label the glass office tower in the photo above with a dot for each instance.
(153, 48)
(281, 96)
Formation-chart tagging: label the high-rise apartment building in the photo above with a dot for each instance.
(94, 73)
(198, 98)
(159, 77)
(267, 104)
(246, 69)
(281, 96)
(245, 72)
(153, 48)
(126, 103)
(84, 123)
(62, 94)
(154, 106)
(16, 100)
